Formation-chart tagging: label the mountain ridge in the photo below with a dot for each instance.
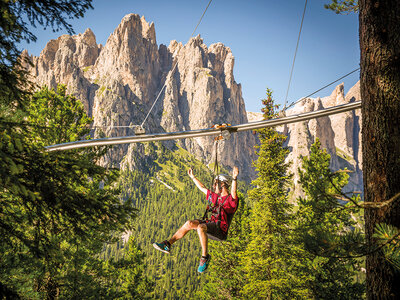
(119, 81)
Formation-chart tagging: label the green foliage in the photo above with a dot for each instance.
(134, 281)
(60, 213)
(269, 109)
(389, 241)
(343, 6)
(52, 124)
(268, 260)
(327, 230)
(318, 181)
(15, 18)
(126, 278)
(13, 149)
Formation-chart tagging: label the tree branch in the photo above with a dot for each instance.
(362, 254)
(365, 205)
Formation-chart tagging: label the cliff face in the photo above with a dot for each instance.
(65, 60)
(339, 134)
(118, 83)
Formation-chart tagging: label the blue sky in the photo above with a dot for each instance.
(261, 34)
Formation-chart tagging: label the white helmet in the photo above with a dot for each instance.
(224, 178)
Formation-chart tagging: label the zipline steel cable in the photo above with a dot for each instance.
(207, 132)
(287, 91)
(324, 87)
(287, 107)
(213, 131)
(295, 53)
(173, 69)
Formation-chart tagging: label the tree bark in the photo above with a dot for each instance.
(380, 93)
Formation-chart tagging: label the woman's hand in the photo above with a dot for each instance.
(235, 172)
(190, 173)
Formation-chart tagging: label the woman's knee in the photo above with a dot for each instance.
(191, 224)
(202, 227)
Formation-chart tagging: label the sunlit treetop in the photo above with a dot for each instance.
(343, 6)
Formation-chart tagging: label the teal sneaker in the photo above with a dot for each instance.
(164, 246)
(204, 262)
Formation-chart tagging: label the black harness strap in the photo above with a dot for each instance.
(217, 211)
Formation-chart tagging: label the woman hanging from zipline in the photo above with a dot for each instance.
(222, 206)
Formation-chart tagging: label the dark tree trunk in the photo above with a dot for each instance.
(380, 93)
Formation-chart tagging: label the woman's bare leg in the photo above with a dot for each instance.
(202, 231)
(189, 225)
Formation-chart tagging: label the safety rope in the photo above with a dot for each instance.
(215, 176)
(216, 167)
(173, 69)
(218, 138)
(295, 53)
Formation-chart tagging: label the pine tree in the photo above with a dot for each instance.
(18, 156)
(124, 277)
(65, 210)
(325, 227)
(268, 260)
(379, 87)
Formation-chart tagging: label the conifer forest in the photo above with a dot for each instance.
(74, 227)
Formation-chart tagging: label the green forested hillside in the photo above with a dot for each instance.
(58, 209)
(276, 250)
(279, 250)
(166, 198)
(268, 252)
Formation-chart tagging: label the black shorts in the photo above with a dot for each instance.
(214, 231)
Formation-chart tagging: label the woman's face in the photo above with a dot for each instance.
(217, 186)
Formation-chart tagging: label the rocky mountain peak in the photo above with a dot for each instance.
(148, 30)
(119, 82)
(132, 25)
(88, 37)
(339, 134)
(354, 94)
(222, 59)
(66, 60)
(337, 96)
(130, 56)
